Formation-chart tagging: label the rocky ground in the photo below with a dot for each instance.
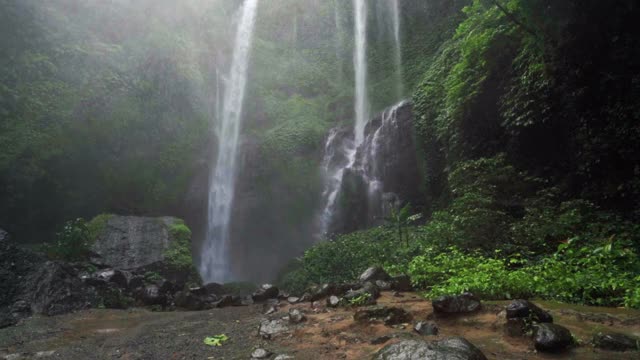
(315, 331)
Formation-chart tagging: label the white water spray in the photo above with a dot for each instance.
(360, 64)
(215, 265)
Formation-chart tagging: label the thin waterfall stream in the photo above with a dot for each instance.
(215, 258)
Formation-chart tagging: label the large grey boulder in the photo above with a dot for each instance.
(551, 337)
(142, 244)
(131, 242)
(456, 304)
(454, 348)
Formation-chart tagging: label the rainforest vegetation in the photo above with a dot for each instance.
(526, 125)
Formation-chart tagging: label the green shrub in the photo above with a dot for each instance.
(72, 243)
(178, 255)
(97, 225)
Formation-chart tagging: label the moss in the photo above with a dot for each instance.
(178, 255)
(96, 226)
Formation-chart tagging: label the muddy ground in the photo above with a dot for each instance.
(327, 333)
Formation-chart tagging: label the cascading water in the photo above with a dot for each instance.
(395, 16)
(214, 264)
(347, 149)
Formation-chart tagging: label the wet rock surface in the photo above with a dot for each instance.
(451, 349)
(426, 328)
(616, 342)
(388, 315)
(551, 338)
(527, 310)
(456, 304)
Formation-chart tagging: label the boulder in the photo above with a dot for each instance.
(374, 274)
(527, 310)
(454, 348)
(388, 315)
(214, 289)
(293, 300)
(426, 328)
(265, 292)
(458, 304)
(296, 316)
(55, 288)
(272, 328)
(551, 337)
(616, 342)
(261, 354)
(151, 295)
(145, 244)
(333, 301)
(383, 285)
(107, 276)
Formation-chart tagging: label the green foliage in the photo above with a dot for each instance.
(96, 226)
(178, 254)
(152, 277)
(598, 274)
(72, 243)
(216, 340)
(360, 300)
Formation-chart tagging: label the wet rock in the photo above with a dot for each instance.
(455, 348)
(140, 244)
(515, 327)
(270, 310)
(527, 310)
(551, 337)
(401, 283)
(380, 340)
(55, 289)
(136, 282)
(383, 285)
(189, 300)
(261, 354)
(283, 357)
(106, 276)
(374, 274)
(214, 289)
(458, 304)
(293, 300)
(166, 286)
(388, 315)
(616, 342)
(224, 301)
(333, 301)
(4, 236)
(296, 316)
(272, 328)
(426, 328)
(151, 295)
(265, 292)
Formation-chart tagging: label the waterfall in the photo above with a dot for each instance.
(395, 16)
(360, 64)
(215, 264)
(340, 153)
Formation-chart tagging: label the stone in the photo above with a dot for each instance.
(283, 357)
(136, 282)
(616, 342)
(140, 244)
(106, 276)
(272, 328)
(265, 292)
(426, 328)
(458, 304)
(527, 310)
(296, 316)
(151, 295)
(401, 283)
(374, 274)
(454, 348)
(380, 340)
(4, 236)
(189, 300)
(551, 337)
(388, 315)
(383, 285)
(224, 301)
(261, 354)
(333, 301)
(214, 289)
(293, 300)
